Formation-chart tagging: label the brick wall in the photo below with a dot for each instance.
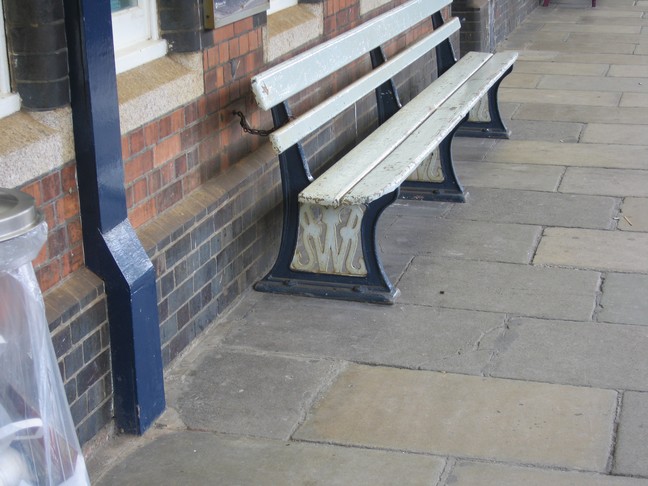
(485, 23)
(204, 198)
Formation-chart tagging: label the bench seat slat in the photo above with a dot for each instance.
(394, 169)
(330, 187)
(292, 132)
(296, 74)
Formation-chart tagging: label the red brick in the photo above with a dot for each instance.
(137, 141)
(138, 166)
(71, 261)
(34, 190)
(68, 178)
(74, 232)
(223, 33)
(67, 207)
(223, 52)
(49, 275)
(150, 134)
(243, 25)
(142, 213)
(166, 150)
(140, 191)
(125, 149)
(169, 196)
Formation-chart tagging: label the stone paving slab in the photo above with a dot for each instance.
(548, 131)
(571, 68)
(616, 134)
(595, 29)
(635, 211)
(633, 58)
(575, 353)
(618, 251)
(245, 394)
(466, 416)
(632, 438)
(571, 47)
(484, 474)
(411, 235)
(625, 299)
(572, 154)
(605, 182)
(560, 97)
(553, 293)
(524, 177)
(407, 336)
(628, 71)
(587, 83)
(639, 100)
(198, 458)
(521, 80)
(537, 208)
(583, 114)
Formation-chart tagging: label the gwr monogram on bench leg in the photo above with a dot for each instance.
(329, 240)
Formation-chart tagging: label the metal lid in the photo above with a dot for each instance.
(18, 213)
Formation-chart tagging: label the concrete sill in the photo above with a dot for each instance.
(149, 91)
(292, 28)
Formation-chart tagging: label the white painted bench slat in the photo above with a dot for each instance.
(331, 186)
(395, 168)
(294, 75)
(310, 121)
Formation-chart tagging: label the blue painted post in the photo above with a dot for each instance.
(112, 249)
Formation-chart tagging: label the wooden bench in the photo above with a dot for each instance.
(328, 246)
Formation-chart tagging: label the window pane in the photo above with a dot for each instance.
(116, 5)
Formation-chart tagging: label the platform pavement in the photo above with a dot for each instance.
(517, 351)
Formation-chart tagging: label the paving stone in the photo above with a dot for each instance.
(632, 438)
(521, 80)
(548, 131)
(536, 208)
(595, 29)
(560, 97)
(607, 182)
(236, 393)
(514, 243)
(466, 416)
(626, 71)
(401, 335)
(639, 100)
(582, 114)
(509, 176)
(482, 474)
(586, 83)
(624, 299)
(601, 57)
(635, 211)
(553, 293)
(642, 49)
(574, 353)
(601, 250)
(195, 458)
(612, 134)
(570, 68)
(568, 154)
(556, 44)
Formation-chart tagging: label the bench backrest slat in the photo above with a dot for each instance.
(296, 74)
(308, 122)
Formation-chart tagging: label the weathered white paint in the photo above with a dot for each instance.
(331, 186)
(429, 170)
(329, 240)
(390, 171)
(394, 169)
(292, 76)
(310, 121)
(480, 112)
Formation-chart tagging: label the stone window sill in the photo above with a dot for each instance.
(35, 143)
(292, 28)
(369, 5)
(149, 91)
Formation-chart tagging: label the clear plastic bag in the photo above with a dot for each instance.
(38, 442)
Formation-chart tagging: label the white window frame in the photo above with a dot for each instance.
(276, 5)
(136, 36)
(9, 102)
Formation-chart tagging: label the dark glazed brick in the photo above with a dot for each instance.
(22, 12)
(93, 371)
(178, 251)
(92, 347)
(95, 422)
(73, 362)
(44, 96)
(88, 321)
